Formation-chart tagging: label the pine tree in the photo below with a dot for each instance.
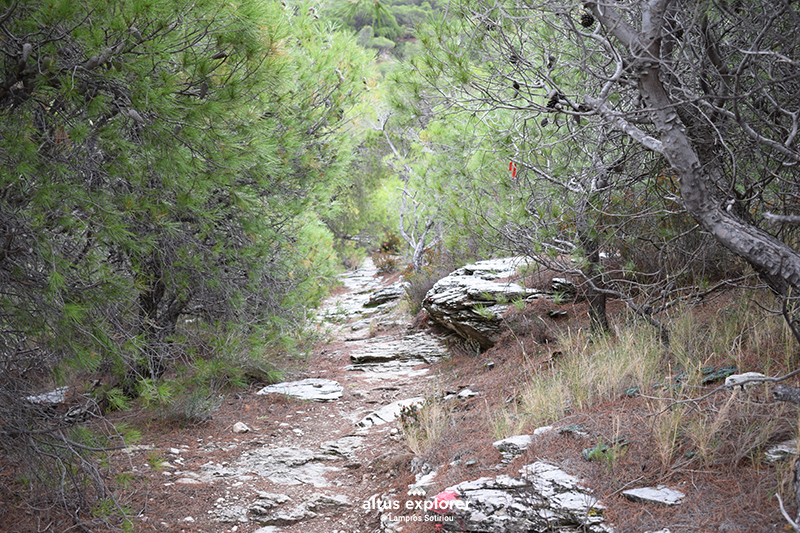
(155, 166)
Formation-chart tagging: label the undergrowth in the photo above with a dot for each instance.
(659, 399)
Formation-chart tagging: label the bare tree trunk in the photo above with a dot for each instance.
(776, 262)
(417, 241)
(594, 288)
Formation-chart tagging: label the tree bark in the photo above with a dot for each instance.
(594, 289)
(777, 263)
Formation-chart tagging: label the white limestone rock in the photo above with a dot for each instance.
(392, 292)
(267, 501)
(319, 501)
(733, 382)
(54, 397)
(417, 348)
(659, 494)
(543, 498)
(345, 447)
(241, 427)
(781, 452)
(513, 446)
(472, 300)
(389, 413)
(315, 389)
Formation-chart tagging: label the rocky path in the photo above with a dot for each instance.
(305, 455)
(325, 453)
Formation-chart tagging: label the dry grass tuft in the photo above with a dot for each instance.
(423, 425)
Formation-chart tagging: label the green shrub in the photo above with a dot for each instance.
(386, 263)
(318, 263)
(391, 243)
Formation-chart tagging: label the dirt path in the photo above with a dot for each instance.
(303, 465)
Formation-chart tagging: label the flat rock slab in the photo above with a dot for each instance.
(389, 412)
(660, 494)
(311, 508)
(393, 292)
(281, 465)
(419, 347)
(316, 389)
(345, 447)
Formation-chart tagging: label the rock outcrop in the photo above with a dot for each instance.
(472, 300)
(543, 498)
(417, 348)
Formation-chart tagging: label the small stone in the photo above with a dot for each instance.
(188, 481)
(513, 445)
(422, 483)
(240, 427)
(389, 412)
(734, 381)
(660, 494)
(466, 393)
(188, 519)
(781, 452)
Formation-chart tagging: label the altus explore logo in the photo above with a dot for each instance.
(444, 502)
